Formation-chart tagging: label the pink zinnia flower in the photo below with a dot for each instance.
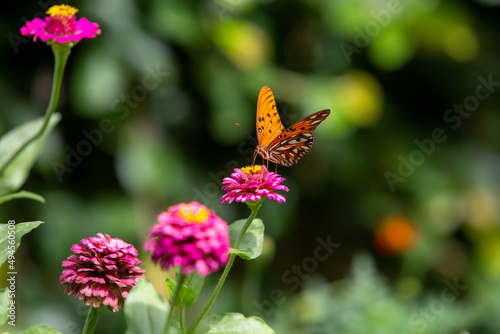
(102, 272)
(61, 26)
(190, 236)
(251, 183)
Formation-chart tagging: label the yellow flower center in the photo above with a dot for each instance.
(63, 10)
(192, 215)
(255, 169)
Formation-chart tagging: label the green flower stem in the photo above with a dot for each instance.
(92, 319)
(61, 54)
(244, 229)
(181, 318)
(178, 287)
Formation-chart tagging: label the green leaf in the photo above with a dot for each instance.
(241, 254)
(8, 246)
(17, 171)
(234, 323)
(251, 245)
(190, 289)
(146, 310)
(42, 329)
(22, 194)
(4, 303)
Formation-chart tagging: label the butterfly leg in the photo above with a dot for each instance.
(254, 157)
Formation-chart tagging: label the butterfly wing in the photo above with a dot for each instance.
(269, 124)
(290, 146)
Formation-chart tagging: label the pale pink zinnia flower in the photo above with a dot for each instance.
(251, 183)
(190, 236)
(60, 26)
(102, 272)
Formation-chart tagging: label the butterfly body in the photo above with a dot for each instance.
(277, 144)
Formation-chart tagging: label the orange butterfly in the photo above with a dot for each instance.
(284, 147)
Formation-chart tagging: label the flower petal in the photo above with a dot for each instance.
(104, 272)
(188, 235)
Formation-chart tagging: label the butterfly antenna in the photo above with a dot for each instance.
(247, 133)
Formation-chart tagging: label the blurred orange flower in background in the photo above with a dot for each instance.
(395, 234)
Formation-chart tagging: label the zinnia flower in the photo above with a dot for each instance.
(190, 236)
(394, 235)
(251, 184)
(102, 272)
(61, 26)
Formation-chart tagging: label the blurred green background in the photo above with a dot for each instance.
(148, 111)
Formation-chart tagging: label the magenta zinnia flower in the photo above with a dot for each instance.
(251, 183)
(61, 26)
(189, 236)
(102, 272)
